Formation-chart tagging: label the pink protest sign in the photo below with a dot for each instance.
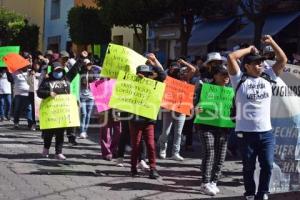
(102, 91)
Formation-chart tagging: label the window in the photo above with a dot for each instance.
(54, 43)
(55, 9)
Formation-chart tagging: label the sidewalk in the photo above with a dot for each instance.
(25, 175)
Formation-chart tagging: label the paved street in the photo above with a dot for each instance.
(25, 175)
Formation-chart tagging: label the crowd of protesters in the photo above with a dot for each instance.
(239, 68)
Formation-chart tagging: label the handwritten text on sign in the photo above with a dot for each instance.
(118, 58)
(59, 112)
(178, 96)
(216, 102)
(140, 96)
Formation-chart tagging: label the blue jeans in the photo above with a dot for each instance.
(21, 103)
(86, 106)
(5, 104)
(170, 118)
(261, 145)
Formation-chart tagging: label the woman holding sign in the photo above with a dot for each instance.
(214, 130)
(143, 127)
(184, 72)
(57, 83)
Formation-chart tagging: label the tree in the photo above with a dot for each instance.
(257, 11)
(88, 26)
(15, 30)
(132, 13)
(28, 37)
(186, 11)
(10, 25)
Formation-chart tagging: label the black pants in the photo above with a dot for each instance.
(59, 139)
(31, 102)
(188, 131)
(71, 134)
(125, 140)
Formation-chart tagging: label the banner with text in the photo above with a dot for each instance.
(216, 102)
(285, 116)
(4, 50)
(118, 58)
(102, 91)
(178, 96)
(59, 112)
(140, 96)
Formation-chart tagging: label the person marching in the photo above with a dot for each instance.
(56, 83)
(214, 139)
(253, 110)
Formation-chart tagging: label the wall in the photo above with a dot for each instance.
(57, 27)
(33, 10)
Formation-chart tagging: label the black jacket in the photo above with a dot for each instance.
(59, 86)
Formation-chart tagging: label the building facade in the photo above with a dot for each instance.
(56, 28)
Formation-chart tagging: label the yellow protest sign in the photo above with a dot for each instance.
(140, 96)
(59, 112)
(118, 58)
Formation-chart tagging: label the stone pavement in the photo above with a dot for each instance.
(25, 175)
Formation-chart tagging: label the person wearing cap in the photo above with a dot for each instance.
(87, 76)
(56, 83)
(142, 127)
(214, 139)
(171, 118)
(253, 109)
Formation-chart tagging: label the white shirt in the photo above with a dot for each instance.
(253, 103)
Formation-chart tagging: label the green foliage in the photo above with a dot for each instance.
(15, 30)
(10, 25)
(88, 26)
(28, 37)
(132, 12)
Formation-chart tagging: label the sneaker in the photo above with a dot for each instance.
(60, 156)
(108, 157)
(259, 197)
(16, 126)
(45, 152)
(33, 127)
(250, 197)
(83, 135)
(153, 174)
(72, 141)
(163, 153)
(177, 157)
(214, 186)
(207, 189)
(143, 165)
(1, 119)
(119, 162)
(134, 173)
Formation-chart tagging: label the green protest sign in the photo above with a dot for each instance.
(6, 50)
(216, 102)
(59, 112)
(140, 96)
(118, 58)
(75, 86)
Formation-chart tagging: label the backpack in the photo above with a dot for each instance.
(243, 79)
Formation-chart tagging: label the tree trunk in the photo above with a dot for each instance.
(186, 25)
(144, 38)
(258, 29)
